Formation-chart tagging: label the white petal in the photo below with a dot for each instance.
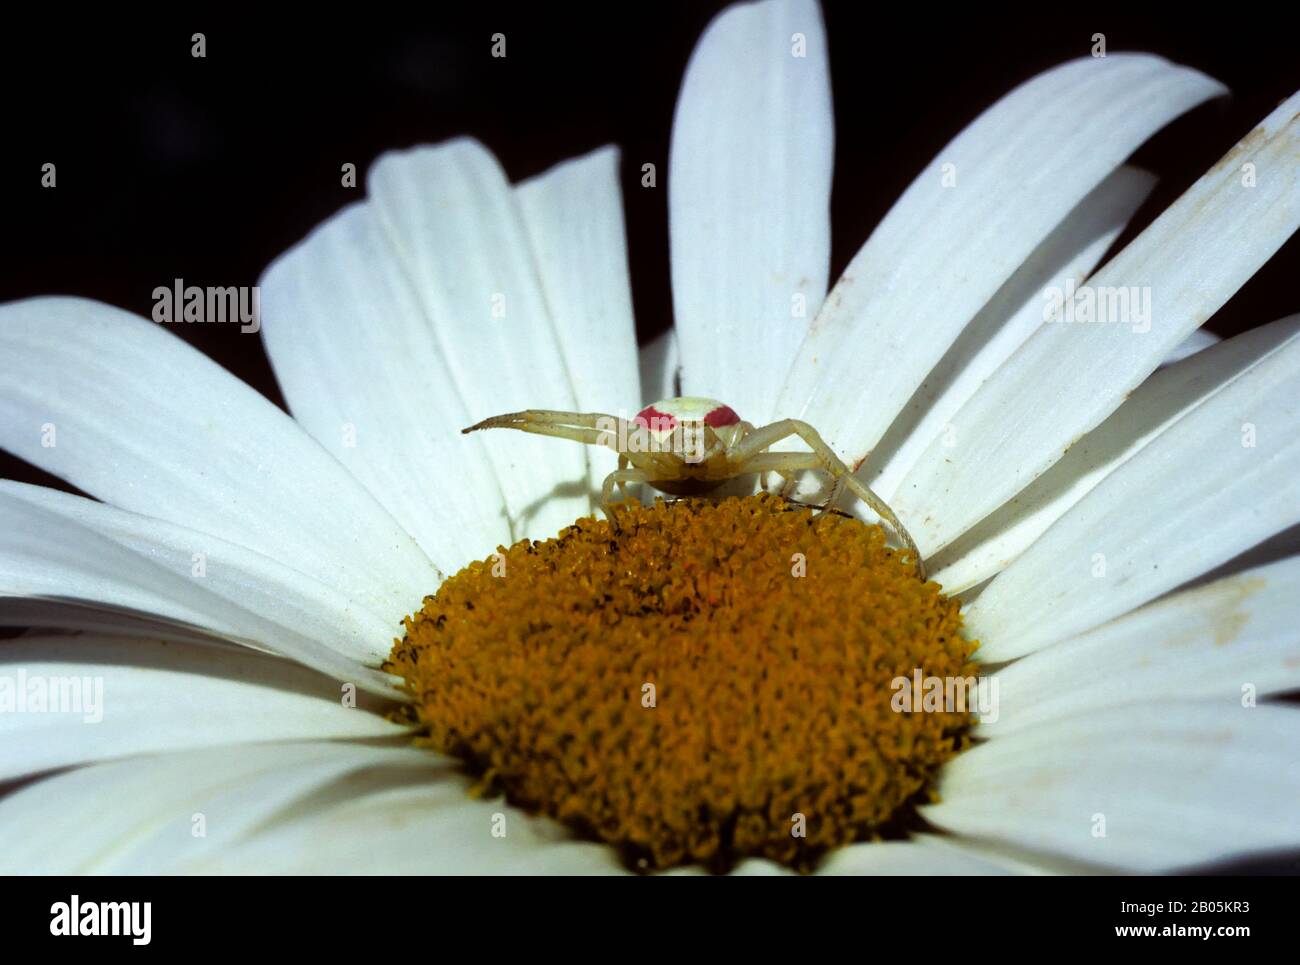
(1070, 252)
(455, 224)
(108, 697)
(361, 370)
(43, 615)
(1199, 340)
(1231, 637)
(1175, 783)
(143, 421)
(926, 854)
(660, 364)
(1069, 376)
(1277, 547)
(1216, 482)
(284, 808)
(430, 827)
(574, 217)
(943, 251)
(61, 825)
(1157, 403)
(57, 546)
(749, 186)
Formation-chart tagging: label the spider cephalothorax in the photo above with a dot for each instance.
(686, 446)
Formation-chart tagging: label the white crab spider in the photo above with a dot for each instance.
(687, 446)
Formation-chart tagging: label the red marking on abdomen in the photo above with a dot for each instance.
(651, 418)
(723, 415)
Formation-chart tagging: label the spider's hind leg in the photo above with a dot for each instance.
(837, 491)
(790, 486)
(787, 482)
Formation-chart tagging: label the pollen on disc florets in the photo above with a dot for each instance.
(704, 682)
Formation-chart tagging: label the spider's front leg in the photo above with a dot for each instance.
(620, 477)
(748, 455)
(592, 428)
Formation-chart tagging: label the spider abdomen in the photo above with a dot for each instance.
(689, 486)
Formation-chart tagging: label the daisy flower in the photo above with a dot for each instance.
(1105, 501)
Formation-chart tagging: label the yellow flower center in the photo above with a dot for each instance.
(703, 682)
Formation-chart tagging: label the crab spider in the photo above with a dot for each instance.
(688, 446)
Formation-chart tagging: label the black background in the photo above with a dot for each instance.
(1003, 915)
(205, 169)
